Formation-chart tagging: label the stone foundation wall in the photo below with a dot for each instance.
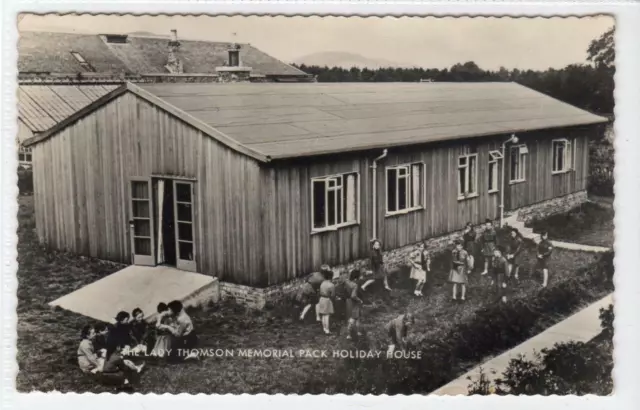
(258, 298)
(553, 206)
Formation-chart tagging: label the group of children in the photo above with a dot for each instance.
(501, 262)
(108, 350)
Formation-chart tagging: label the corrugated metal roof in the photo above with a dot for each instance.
(296, 120)
(41, 107)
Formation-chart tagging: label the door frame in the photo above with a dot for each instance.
(143, 260)
(183, 264)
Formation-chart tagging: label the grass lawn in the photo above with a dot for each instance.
(589, 224)
(48, 338)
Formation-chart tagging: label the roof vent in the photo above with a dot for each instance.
(116, 38)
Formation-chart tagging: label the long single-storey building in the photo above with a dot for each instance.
(260, 184)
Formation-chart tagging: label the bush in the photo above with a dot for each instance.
(601, 165)
(568, 368)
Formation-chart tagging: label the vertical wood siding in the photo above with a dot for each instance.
(540, 184)
(82, 187)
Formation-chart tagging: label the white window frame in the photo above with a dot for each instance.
(467, 195)
(523, 155)
(23, 152)
(494, 158)
(409, 192)
(343, 185)
(569, 160)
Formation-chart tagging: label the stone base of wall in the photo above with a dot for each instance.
(553, 206)
(258, 298)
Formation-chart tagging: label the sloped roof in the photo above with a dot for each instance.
(51, 52)
(271, 121)
(41, 107)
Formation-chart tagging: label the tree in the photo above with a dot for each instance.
(602, 51)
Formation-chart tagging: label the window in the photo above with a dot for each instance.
(83, 63)
(334, 201)
(563, 155)
(405, 188)
(467, 176)
(24, 155)
(494, 157)
(518, 168)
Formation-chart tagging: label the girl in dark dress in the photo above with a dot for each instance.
(544, 253)
(514, 247)
(489, 239)
(377, 265)
(469, 242)
(140, 332)
(353, 302)
(499, 271)
(120, 334)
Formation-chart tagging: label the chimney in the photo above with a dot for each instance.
(174, 64)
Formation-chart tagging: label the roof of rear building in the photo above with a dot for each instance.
(297, 120)
(51, 53)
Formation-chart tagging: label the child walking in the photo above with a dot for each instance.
(353, 302)
(514, 247)
(458, 274)
(420, 262)
(377, 265)
(308, 295)
(499, 273)
(327, 297)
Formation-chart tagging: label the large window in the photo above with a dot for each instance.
(467, 176)
(563, 155)
(334, 201)
(518, 166)
(405, 188)
(494, 157)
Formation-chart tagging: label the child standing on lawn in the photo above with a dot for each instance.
(420, 263)
(514, 247)
(545, 248)
(489, 239)
(458, 274)
(469, 241)
(353, 302)
(499, 272)
(397, 330)
(327, 297)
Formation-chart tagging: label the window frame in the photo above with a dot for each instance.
(23, 152)
(82, 61)
(522, 163)
(495, 157)
(409, 177)
(326, 178)
(569, 161)
(463, 195)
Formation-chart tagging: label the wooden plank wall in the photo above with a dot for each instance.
(541, 184)
(291, 249)
(82, 187)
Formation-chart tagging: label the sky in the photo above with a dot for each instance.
(429, 42)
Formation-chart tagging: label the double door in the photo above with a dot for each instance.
(162, 224)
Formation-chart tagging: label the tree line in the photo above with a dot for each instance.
(588, 86)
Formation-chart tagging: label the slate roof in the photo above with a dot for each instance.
(41, 107)
(51, 52)
(296, 120)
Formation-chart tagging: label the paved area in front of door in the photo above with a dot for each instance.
(138, 286)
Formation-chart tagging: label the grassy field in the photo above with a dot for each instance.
(589, 224)
(48, 338)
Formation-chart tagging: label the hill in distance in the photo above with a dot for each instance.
(347, 60)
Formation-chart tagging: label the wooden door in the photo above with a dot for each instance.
(141, 223)
(183, 208)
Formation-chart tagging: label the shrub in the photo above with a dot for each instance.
(25, 181)
(568, 368)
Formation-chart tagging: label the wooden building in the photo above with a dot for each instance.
(261, 183)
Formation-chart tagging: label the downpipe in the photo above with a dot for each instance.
(374, 168)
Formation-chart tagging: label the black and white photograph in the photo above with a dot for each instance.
(315, 205)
